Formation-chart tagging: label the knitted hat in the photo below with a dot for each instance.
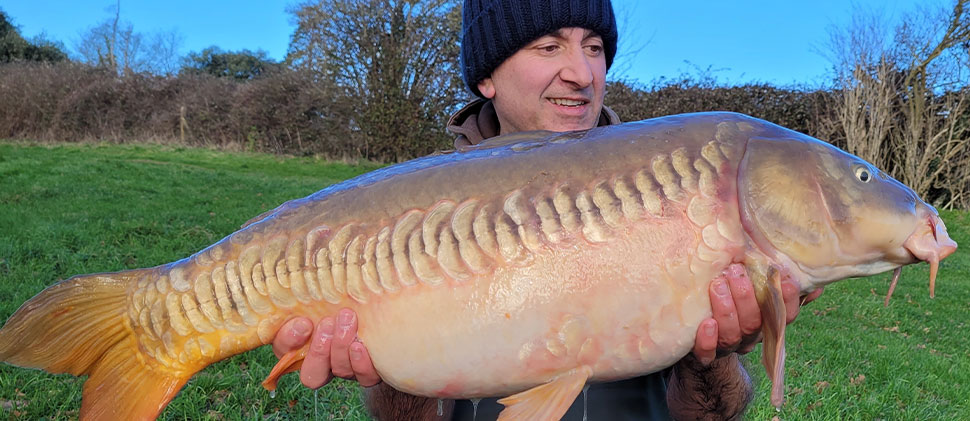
(493, 30)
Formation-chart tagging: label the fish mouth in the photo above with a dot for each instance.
(928, 243)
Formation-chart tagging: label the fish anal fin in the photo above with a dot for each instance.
(548, 401)
(773, 317)
(288, 363)
(121, 387)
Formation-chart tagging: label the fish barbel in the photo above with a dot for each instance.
(524, 267)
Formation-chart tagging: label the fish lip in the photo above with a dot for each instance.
(931, 243)
(923, 248)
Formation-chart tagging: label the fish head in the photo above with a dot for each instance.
(831, 215)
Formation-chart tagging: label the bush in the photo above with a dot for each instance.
(286, 111)
(806, 111)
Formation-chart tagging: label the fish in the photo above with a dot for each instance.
(524, 267)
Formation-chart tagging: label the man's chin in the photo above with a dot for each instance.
(572, 124)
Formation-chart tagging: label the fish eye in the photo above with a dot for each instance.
(863, 174)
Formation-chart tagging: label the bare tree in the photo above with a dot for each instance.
(113, 44)
(903, 104)
(867, 81)
(936, 47)
(161, 51)
(97, 46)
(396, 62)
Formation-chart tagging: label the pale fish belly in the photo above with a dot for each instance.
(626, 306)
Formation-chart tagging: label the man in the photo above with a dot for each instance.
(542, 66)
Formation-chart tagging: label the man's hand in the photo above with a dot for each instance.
(736, 323)
(334, 350)
(703, 386)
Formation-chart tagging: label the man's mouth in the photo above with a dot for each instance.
(568, 102)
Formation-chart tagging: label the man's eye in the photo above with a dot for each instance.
(595, 49)
(549, 48)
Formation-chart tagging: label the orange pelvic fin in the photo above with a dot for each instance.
(548, 401)
(79, 326)
(288, 363)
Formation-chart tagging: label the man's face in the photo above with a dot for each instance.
(556, 82)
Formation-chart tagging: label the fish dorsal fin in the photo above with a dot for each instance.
(773, 314)
(548, 401)
(263, 215)
(525, 140)
(509, 139)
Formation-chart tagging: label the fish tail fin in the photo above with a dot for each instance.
(79, 326)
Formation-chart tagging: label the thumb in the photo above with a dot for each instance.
(293, 335)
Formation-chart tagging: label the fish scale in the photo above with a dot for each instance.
(255, 290)
(526, 266)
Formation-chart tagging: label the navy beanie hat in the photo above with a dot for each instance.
(493, 30)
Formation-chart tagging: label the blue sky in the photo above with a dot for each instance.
(739, 41)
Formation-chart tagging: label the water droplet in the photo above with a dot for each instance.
(475, 408)
(440, 409)
(316, 405)
(272, 394)
(585, 390)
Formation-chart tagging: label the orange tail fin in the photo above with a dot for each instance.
(79, 326)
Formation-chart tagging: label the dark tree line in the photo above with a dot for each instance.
(14, 48)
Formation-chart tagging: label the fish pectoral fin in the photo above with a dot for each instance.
(773, 321)
(548, 401)
(288, 363)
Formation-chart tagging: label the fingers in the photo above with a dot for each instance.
(705, 345)
(345, 334)
(363, 367)
(736, 310)
(334, 350)
(293, 335)
(790, 293)
(724, 315)
(749, 313)
(812, 296)
(749, 342)
(316, 367)
(736, 313)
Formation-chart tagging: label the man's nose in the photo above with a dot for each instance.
(577, 70)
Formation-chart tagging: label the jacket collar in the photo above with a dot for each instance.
(478, 121)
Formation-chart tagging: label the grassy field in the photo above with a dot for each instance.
(72, 209)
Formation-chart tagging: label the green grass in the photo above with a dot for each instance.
(72, 209)
(851, 358)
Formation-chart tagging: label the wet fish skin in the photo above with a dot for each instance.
(537, 259)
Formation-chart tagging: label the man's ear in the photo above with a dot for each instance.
(487, 88)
